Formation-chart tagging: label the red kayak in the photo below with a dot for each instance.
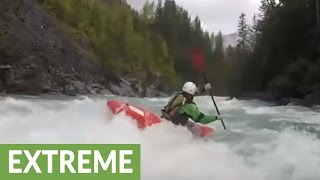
(143, 117)
(146, 118)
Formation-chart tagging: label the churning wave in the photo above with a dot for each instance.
(261, 141)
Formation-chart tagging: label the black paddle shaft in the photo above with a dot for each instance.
(211, 94)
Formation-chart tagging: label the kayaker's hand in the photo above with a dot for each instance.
(207, 87)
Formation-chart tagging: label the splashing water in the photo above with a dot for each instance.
(261, 142)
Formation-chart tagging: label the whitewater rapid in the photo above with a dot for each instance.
(262, 142)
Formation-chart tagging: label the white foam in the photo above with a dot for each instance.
(292, 156)
(170, 152)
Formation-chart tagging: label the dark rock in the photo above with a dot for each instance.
(313, 98)
(265, 96)
(309, 100)
(26, 80)
(37, 56)
(151, 92)
(70, 90)
(123, 89)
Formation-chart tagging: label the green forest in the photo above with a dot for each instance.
(277, 50)
(280, 50)
(154, 43)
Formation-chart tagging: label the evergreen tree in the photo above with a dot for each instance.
(243, 31)
(285, 59)
(117, 37)
(181, 34)
(156, 42)
(148, 11)
(231, 55)
(219, 47)
(212, 40)
(263, 8)
(253, 33)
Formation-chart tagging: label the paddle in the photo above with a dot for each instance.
(198, 64)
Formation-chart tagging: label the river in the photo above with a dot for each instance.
(262, 141)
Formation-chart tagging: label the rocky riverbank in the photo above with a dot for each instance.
(37, 57)
(308, 100)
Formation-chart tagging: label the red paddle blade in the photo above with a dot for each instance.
(197, 60)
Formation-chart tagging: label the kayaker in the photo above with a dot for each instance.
(181, 107)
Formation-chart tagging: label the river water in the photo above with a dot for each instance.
(261, 142)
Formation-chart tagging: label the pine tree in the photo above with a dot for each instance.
(243, 31)
(266, 8)
(219, 43)
(197, 25)
(212, 40)
(253, 33)
(159, 8)
(148, 11)
(231, 55)
(263, 8)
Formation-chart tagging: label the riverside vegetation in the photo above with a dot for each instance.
(277, 52)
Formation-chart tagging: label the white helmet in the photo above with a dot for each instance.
(190, 88)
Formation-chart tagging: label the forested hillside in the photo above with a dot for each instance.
(152, 44)
(280, 52)
(117, 37)
(61, 44)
